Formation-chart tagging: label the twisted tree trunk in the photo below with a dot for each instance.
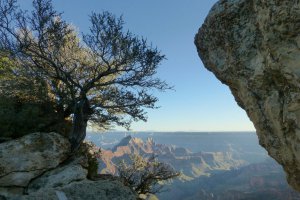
(80, 119)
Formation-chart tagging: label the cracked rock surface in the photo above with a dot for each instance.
(253, 46)
(39, 166)
(26, 158)
(85, 190)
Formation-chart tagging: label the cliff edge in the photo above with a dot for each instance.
(253, 46)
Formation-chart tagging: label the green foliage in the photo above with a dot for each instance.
(145, 175)
(18, 118)
(25, 106)
(92, 154)
(106, 76)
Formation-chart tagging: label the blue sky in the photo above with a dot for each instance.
(200, 102)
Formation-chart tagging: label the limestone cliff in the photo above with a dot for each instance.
(253, 46)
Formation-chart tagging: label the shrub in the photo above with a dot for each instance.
(145, 175)
(18, 118)
(92, 154)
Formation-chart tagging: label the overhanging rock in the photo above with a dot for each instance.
(253, 46)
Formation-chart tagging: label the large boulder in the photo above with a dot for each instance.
(58, 177)
(253, 46)
(28, 157)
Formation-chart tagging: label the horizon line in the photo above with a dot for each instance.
(247, 131)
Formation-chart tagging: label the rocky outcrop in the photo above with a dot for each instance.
(101, 189)
(253, 46)
(58, 177)
(28, 157)
(39, 166)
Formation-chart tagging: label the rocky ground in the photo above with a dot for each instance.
(38, 166)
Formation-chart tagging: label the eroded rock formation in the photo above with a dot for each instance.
(253, 46)
(191, 165)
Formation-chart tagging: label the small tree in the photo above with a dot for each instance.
(145, 175)
(105, 77)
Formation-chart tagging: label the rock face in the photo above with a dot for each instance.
(253, 46)
(38, 166)
(58, 177)
(101, 189)
(26, 158)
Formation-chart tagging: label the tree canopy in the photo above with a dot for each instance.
(105, 76)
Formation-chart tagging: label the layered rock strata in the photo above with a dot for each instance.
(253, 46)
